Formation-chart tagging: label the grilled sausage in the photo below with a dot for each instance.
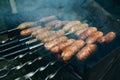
(65, 44)
(54, 42)
(45, 19)
(56, 35)
(86, 51)
(77, 33)
(62, 46)
(61, 24)
(27, 32)
(44, 35)
(71, 24)
(55, 49)
(53, 23)
(93, 37)
(82, 29)
(87, 33)
(71, 50)
(39, 31)
(26, 24)
(78, 28)
(74, 28)
(107, 38)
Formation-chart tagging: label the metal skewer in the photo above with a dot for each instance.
(15, 41)
(19, 57)
(42, 68)
(29, 75)
(28, 42)
(19, 45)
(21, 66)
(7, 40)
(23, 50)
(52, 75)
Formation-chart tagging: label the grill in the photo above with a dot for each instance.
(26, 58)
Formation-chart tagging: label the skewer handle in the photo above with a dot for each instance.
(16, 52)
(11, 42)
(8, 31)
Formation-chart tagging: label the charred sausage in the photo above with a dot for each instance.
(71, 50)
(93, 37)
(86, 51)
(87, 33)
(107, 38)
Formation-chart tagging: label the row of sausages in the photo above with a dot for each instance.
(56, 41)
(51, 21)
(70, 47)
(83, 32)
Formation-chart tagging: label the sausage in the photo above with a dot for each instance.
(65, 22)
(39, 31)
(54, 42)
(55, 49)
(56, 35)
(71, 24)
(77, 33)
(78, 27)
(65, 44)
(27, 32)
(45, 19)
(93, 37)
(71, 50)
(86, 51)
(107, 38)
(61, 24)
(44, 35)
(26, 25)
(74, 28)
(62, 46)
(52, 23)
(87, 33)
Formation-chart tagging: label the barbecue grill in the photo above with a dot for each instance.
(26, 58)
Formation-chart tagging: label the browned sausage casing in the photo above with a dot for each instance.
(54, 42)
(44, 35)
(69, 51)
(61, 24)
(62, 46)
(45, 19)
(56, 35)
(86, 51)
(39, 31)
(65, 44)
(77, 33)
(26, 24)
(52, 23)
(107, 38)
(87, 33)
(93, 38)
(28, 32)
(79, 27)
(55, 49)
(71, 24)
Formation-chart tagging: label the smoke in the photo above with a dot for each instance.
(40, 8)
(84, 10)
